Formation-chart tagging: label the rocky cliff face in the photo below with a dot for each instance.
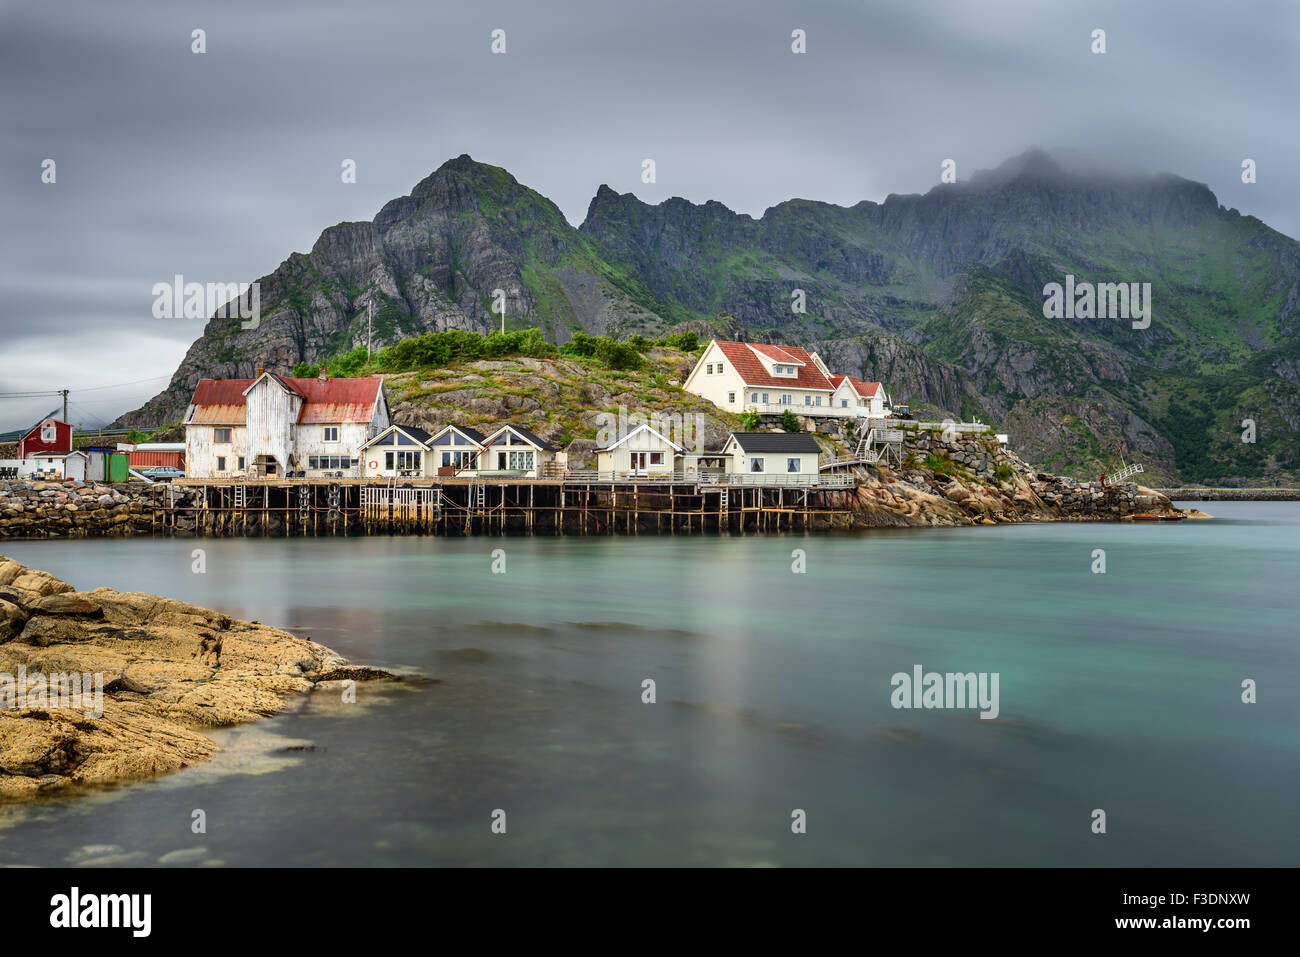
(940, 295)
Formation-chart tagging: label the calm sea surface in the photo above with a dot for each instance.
(1119, 691)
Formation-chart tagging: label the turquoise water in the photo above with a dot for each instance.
(1119, 691)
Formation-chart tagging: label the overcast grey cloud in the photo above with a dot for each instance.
(217, 166)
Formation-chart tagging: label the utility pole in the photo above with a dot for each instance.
(64, 393)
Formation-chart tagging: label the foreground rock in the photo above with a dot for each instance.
(169, 672)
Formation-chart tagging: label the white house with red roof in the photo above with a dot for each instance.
(743, 376)
(858, 397)
(272, 426)
(751, 376)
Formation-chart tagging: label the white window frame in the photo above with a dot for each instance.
(756, 460)
(793, 464)
(216, 435)
(325, 434)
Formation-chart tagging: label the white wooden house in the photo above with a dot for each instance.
(749, 376)
(859, 398)
(272, 426)
(399, 450)
(639, 452)
(783, 454)
(455, 451)
(68, 465)
(514, 451)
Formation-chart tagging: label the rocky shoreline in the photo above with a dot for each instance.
(970, 479)
(157, 674)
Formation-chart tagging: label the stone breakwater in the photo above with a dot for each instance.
(170, 671)
(70, 509)
(1233, 494)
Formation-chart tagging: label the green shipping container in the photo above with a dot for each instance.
(118, 464)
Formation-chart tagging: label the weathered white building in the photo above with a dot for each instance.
(274, 426)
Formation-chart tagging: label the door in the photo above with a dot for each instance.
(640, 463)
(502, 461)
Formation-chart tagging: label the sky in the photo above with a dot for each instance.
(217, 165)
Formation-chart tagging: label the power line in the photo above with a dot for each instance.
(96, 388)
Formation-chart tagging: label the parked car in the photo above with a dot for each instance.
(163, 473)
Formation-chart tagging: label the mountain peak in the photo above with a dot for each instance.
(1033, 164)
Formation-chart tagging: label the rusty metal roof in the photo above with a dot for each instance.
(221, 401)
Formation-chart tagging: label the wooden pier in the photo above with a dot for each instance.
(309, 507)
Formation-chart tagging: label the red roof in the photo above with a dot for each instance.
(867, 390)
(753, 372)
(221, 401)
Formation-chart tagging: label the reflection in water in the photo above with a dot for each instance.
(772, 693)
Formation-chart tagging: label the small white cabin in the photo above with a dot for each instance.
(773, 453)
(399, 450)
(516, 452)
(68, 465)
(640, 452)
(454, 452)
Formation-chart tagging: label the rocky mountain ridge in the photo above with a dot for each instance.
(939, 295)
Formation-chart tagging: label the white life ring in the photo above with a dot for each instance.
(374, 465)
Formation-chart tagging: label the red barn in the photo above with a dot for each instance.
(50, 437)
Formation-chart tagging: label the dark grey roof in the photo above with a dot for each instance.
(524, 433)
(796, 443)
(415, 432)
(468, 432)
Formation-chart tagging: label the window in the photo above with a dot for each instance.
(756, 463)
(844, 403)
(753, 397)
(708, 369)
(221, 463)
(731, 398)
(719, 368)
(408, 460)
(656, 458)
(221, 436)
(388, 461)
(787, 398)
(765, 399)
(241, 463)
(461, 460)
(332, 462)
(331, 433)
(817, 400)
(792, 465)
(521, 461)
(807, 399)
